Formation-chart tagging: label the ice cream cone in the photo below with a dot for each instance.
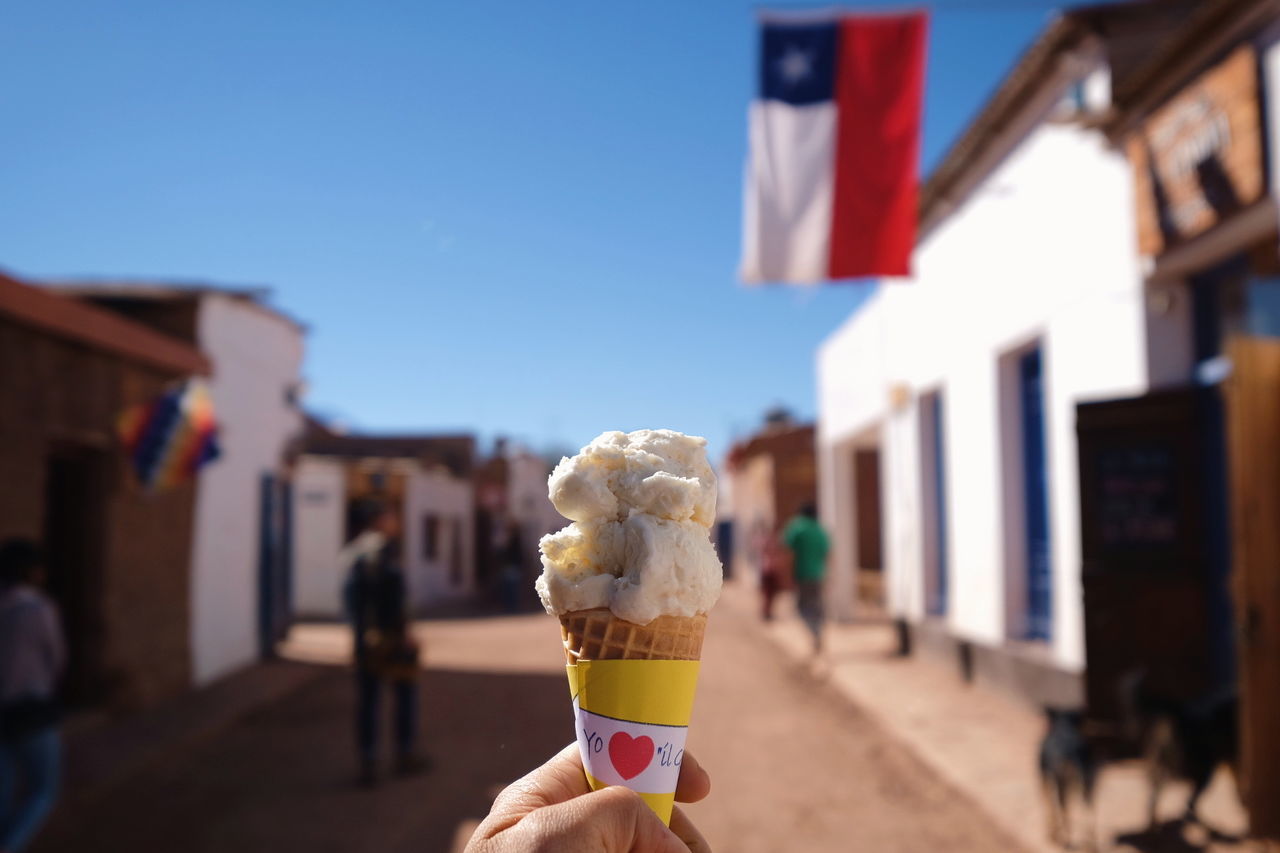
(598, 634)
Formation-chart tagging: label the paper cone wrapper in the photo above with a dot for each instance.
(632, 687)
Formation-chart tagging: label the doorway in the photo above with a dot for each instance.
(275, 561)
(868, 523)
(73, 539)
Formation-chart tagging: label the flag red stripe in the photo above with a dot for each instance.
(879, 87)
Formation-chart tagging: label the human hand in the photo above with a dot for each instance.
(553, 809)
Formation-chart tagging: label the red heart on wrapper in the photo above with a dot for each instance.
(630, 756)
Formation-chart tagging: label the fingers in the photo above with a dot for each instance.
(695, 783)
(688, 833)
(552, 808)
(560, 779)
(611, 820)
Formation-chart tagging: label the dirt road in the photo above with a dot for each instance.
(795, 767)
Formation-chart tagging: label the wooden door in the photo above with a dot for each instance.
(867, 483)
(1253, 399)
(869, 521)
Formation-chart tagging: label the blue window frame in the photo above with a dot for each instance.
(1036, 497)
(935, 504)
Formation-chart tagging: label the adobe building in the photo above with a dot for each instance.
(1181, 486)
(511, 491)
(240, 559)
(118, 558)
(770, 476)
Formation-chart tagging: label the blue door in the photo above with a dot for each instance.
(1036, 497)
(275, 559)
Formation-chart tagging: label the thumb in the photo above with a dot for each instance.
(611, 820)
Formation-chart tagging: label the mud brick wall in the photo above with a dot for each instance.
(57, 396)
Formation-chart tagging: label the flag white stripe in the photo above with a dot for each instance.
(790, 184)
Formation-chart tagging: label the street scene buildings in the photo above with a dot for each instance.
(1045, 462)
(1055, 467)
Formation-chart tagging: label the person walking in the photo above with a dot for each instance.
(808, 544)
(775, 570)
(385, 652)
(511, 560)
(32, 657)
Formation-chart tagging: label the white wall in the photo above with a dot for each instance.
(256, 357)
(437, 492)
(527, 498)
(1044, 249)
(319, 522)
(755, 515)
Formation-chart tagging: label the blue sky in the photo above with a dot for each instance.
(517, 218)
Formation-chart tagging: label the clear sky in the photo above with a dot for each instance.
(518, 218)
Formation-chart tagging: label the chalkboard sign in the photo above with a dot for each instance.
(1143, 560)
(1140, 467)
(1137, 501)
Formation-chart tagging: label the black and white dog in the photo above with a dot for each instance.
(1068, 771)
(1186, 740)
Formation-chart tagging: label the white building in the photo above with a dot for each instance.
(427, 479)
(237, 552)
(1027, 299)
(528, 501)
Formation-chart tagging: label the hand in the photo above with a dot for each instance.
(553, 809)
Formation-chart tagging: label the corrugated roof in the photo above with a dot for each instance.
(98, 328)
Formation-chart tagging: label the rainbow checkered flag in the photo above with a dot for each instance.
(171, 437)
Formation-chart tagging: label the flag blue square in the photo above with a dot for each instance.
(798, 62)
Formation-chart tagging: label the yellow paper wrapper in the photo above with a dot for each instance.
(631, 718)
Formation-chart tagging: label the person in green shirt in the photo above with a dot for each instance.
(808, 544)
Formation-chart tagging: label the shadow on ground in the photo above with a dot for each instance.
(1175, 836)
(282, 777)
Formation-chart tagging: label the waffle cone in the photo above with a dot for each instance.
(599, 635)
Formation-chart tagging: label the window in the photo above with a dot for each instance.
(933, 491)
(1025, 494)
(1263, 307)
(430, 536)
(1035, 483)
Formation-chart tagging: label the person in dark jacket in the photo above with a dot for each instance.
(385, 650)
(32, 657)
(511, 560)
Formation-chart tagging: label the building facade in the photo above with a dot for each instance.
(427, 480)
(770, 476)
(512, 501)
(1194, 596)
(239, 557)
(1072, 398)
(962, 385)
(118, 557)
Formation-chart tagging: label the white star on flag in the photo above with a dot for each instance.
(794, 66)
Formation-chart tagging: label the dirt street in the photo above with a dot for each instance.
(794, 766)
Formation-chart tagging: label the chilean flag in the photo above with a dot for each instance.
(832, 177)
